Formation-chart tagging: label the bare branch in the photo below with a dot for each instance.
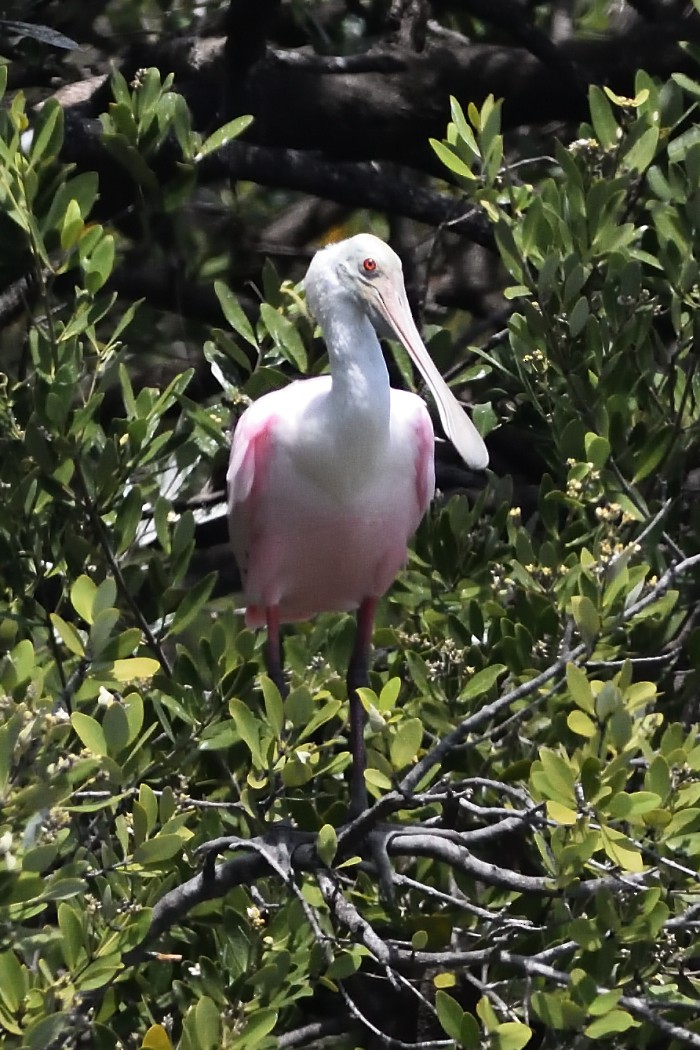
(424, 844)
(347, 914)
(311, 1033)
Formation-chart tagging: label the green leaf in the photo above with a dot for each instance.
(156, 1038)
(149, 803)
(469, 1032)
(68, 634)
(621, 851)
(248, 729)
(98, 268)
(233, 313)
(328, 711)
(561, 814)
(139, 824)
(72, 941)
(658, 777)
(72, 225)
(100, 635)
(219, 736)
(45, 1032)
(604, 1003)
(133, 707)
(375, 779)
(559, 775)
(105, 597)
(487, 1014)
(207, 1022)
(446, 979)
(192, 603)
(462, 128)
(640, 155)
(389, 695)
(450, 159)
(450, 1015)
(482, 681)
(586, 618)
(90, 732)
(299, 706)
(615, 1021)
(23, 661)
(639, 694)
(130, 159)
(121, 645)
(579, 723)
(39, 858)
(557, 1010)
(223, 135)
(327, 844)
(134, 668)
(691, 86)
(512, 1035)
(9, 734)
(162, 847)
(295, 772)
(578, 317)
(25, 887)
(604, 123)
(99, 973)
(621, 728)
(653, 452)
(48, 134)
(274, 707)
(597, 450)
(581, 692)
(484, 417)
(516, 291)
(161, 521)
(405, 742)
(510, 253)
(115, 726)
(260, 1024)
(624, 806)
(343, 966)
(285, 336)
(82, 190)
(13, 981)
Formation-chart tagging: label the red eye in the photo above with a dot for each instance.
(369, 266)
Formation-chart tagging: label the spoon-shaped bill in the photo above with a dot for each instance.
(392, 306)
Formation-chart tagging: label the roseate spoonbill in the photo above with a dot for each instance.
(329, 477)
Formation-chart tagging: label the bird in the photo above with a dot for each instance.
(330, 476)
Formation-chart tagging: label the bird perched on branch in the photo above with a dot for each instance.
(329, 477)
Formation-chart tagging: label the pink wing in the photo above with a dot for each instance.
(251, 447)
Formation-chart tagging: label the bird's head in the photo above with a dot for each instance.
(366, 271)
(356, 269)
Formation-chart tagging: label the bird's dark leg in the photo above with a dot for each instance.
(358, 676)
(273, 649)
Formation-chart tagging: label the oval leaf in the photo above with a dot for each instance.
(482, 681)
(156, 1038)
(327, 844)
(133, 668)
(162, 847)
(90, 732)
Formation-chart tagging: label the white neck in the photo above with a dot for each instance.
(359, 380)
